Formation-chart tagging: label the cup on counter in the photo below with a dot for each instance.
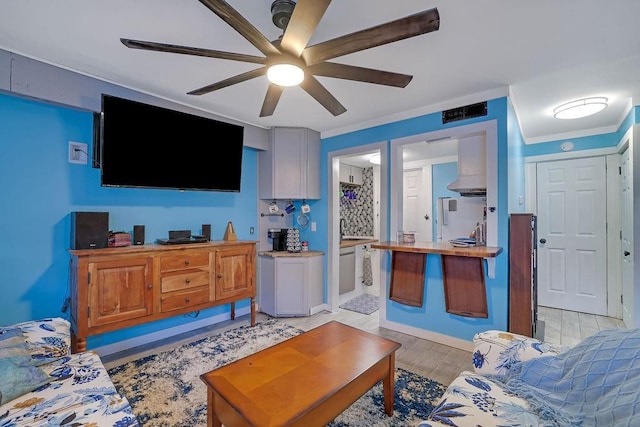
(400, 236)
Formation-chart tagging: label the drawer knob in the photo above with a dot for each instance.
(149, 286)
(186, 262)
(187, 299)
(187, 281)
(219, 276)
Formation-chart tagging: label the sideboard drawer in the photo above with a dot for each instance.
(180, 300)
(177, 282)
(186, 260)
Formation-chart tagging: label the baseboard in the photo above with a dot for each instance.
(166, 333)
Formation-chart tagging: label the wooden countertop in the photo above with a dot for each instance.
(440, 248)
(156, 247)
(348, 243)
(281, 254)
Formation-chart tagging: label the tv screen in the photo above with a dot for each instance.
(152, 147)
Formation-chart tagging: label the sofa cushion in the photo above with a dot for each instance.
(81, 394)
(47, 339)
(19, 375)
(496, 351)
(473, 400)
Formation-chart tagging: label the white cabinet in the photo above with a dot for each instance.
(350, 174)
(290, 169)
(290, 285)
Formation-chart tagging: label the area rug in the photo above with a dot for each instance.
(165, 389)
(365, 304)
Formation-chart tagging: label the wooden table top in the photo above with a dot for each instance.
(443, 248)
(282, 383)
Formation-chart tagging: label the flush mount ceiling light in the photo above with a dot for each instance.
(375, 159)
(285, 74)
(580, 108)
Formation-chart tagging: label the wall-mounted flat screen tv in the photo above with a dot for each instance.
(146, 146)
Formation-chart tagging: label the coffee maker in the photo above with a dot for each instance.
(279, 238)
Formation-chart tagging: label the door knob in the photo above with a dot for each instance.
(627, 253)
(426, 217)
(543, 241)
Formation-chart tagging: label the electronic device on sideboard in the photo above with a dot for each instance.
(145, 146)
(89, 230)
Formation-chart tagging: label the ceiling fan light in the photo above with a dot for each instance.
(580, 108)
(285, 74)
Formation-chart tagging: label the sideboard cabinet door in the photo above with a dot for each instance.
(120, 290)
(234, 269)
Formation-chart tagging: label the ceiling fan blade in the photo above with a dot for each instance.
(359, 74)
(400, 29)
(313, 87)
(304, 20)
(271, 100)
(186, 50)
(230, 81)
(241, 25)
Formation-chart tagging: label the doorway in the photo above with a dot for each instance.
(572, 235)
(349, 202)
(576, 197)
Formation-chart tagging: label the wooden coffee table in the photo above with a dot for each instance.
(307, 380)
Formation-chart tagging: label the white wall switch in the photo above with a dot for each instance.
(313, 226)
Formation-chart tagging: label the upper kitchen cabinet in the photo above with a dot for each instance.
(350, 174)
(290, 169)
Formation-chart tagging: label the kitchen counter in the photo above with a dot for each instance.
(279, 254)
(443, 248)
(462, 275)
(348, 243)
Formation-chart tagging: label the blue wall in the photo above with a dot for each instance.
(432, 316)
(516, 162)
(40, 189)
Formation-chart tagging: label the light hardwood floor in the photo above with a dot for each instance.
(435, 361)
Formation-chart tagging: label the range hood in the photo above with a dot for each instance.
(472, 167)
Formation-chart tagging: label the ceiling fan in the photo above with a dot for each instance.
(291, 55)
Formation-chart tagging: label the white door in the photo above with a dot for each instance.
(416, 206)
(572, 251)
(626, 238)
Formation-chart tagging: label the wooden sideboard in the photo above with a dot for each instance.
(117, 288)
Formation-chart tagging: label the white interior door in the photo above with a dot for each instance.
(572, 244)
(416, 207)
(626, 238)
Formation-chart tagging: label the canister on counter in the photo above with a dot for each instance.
(305, 246)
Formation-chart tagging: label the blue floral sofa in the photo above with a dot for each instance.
(475, 399)
(43, 384)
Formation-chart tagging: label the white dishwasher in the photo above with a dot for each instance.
(347, 270)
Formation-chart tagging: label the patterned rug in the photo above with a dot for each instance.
(165, 389)
(365, 304)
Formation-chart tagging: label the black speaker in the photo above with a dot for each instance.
(138, 234)
(89, 230)
(206, 231)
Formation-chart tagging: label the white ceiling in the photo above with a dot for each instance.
(542, 53)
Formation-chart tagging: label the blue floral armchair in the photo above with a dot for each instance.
(473, 399)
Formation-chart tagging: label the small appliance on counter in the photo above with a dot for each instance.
(279, 238)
